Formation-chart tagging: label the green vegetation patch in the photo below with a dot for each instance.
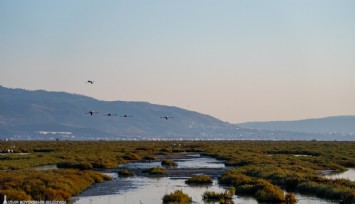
(290, 198)
(125, 172)
(75, 165)
(199, 179)
(169, 163)
(225, 197)
(149, 158)
(155, 170)
(46, 185)
(132, 156)
(177, 197)
(263, 190)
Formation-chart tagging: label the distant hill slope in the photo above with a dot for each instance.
(45, 115)
(29, 113)
(340, 124)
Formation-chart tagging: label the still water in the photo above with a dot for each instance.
(46, 167)
(349, 174)
(148, 190)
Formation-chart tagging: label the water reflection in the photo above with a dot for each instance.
(152, 190)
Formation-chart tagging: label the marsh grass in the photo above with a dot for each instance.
(290, 198)
(125, 172)
(47, 185)
(149, 158)
(169, 163)
(225, 197)
(199, 179)
(155, 171)
(75, 165)
(177, 197)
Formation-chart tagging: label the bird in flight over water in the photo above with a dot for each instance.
(92, 112)
(90, 82)
(166, 117)
(111, 114)
(126, 116)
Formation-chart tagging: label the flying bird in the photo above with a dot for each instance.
(111, 114)
(92, 112)
(126, 116)
(90, 82)
(166, 117)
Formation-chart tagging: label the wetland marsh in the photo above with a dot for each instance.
(261, 171)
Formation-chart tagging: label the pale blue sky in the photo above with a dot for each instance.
(235, 60)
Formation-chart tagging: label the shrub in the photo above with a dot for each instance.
(224, 197)
(55, 194)
(43, 150)
(270, 193)
(125, 172)
(169, 163)
(246, 189)
(290, 198)
(75, 165)
(155, 170)
(149, 158)
(349, 197)
(105, 164)
(234, 179)
(132, 156)
(323, 190)
(47, 185)
(292, 182)
(13, 194)
(177, 197)
(166, 150)
(263, 190)
(199, 179)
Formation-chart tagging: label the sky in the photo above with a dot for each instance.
(239, 61)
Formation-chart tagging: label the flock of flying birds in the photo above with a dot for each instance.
(114, 114)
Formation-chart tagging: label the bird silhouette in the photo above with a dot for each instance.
(166, 117)
(111, 114)
(91, 112)
(90, 81)
(126, 116)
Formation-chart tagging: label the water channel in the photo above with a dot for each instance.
(150, 190)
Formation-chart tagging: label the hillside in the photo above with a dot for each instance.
(339, 124)
(31, 114)
(44, 115)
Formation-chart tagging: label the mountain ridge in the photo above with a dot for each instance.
(341, 124)
(50, 115)
(58, 110)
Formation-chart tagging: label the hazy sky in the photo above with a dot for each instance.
(236, 60)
